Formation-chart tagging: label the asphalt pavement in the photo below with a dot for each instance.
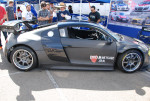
(69, 85)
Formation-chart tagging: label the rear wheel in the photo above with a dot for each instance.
(130, 61)
(23, 58)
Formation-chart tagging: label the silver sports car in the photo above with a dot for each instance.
(83, 44)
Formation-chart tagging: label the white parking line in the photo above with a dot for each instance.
(62, 96)
(6, 75)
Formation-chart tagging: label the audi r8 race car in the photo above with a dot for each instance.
(119, 5)
(143, 6)
(116, 16)
(81, 44)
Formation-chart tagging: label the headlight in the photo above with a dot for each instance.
(142, 44)
(138, 40)
(146, 8)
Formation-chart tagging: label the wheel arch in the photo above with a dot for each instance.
(17, 45)
(119, 53)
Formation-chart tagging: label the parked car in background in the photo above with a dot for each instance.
(147, 20)
(143, 6)
(140, 20)
(119, 16)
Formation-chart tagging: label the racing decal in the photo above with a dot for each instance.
(101, 59)
(50, 33)
(94, 58)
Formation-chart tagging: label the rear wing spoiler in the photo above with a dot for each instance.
(15, 26)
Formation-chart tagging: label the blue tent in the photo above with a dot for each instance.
(65, 1)
(3, 1)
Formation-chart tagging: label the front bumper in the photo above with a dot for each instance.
(146, 60)
(6, 52)
(123, 19)
(123, 8)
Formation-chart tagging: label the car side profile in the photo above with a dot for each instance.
(82, 45)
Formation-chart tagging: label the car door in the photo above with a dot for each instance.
(88, 52)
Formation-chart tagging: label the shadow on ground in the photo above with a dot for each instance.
(37, 80)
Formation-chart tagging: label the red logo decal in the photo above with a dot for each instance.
(94, 58)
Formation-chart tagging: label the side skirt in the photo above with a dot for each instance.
(76, 67)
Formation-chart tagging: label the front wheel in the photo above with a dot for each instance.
(23, 58)
(130, 61)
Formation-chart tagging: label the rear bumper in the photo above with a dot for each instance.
(6, 53)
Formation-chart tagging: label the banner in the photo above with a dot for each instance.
(132, 13)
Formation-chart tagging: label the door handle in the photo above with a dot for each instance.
(67, 45)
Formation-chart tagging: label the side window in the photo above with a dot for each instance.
(85, 33)
(63, 32)
(21, 27)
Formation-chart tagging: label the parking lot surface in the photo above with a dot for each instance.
(68, 85)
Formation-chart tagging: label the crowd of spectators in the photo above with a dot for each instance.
(47, 14)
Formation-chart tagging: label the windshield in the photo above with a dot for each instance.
(122, 14)
(115, 35)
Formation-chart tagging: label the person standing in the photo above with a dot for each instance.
(63, 14)
(27, 14)
(3, 16)
(10, 11)
(70, 9)
(43, 15)
(10, 14)
(94, 16)
(19, 13)
(48, 8)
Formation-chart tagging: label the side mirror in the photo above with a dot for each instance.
(109, 41)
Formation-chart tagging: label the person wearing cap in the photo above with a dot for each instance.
(10, 11)
(63, 14)
(94, 16)
(3, 16)
(27, 14)
(43, 15)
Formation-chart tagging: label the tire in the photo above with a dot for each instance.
(23, 58)
(125, 61)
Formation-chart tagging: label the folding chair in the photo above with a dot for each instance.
(144, 34)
